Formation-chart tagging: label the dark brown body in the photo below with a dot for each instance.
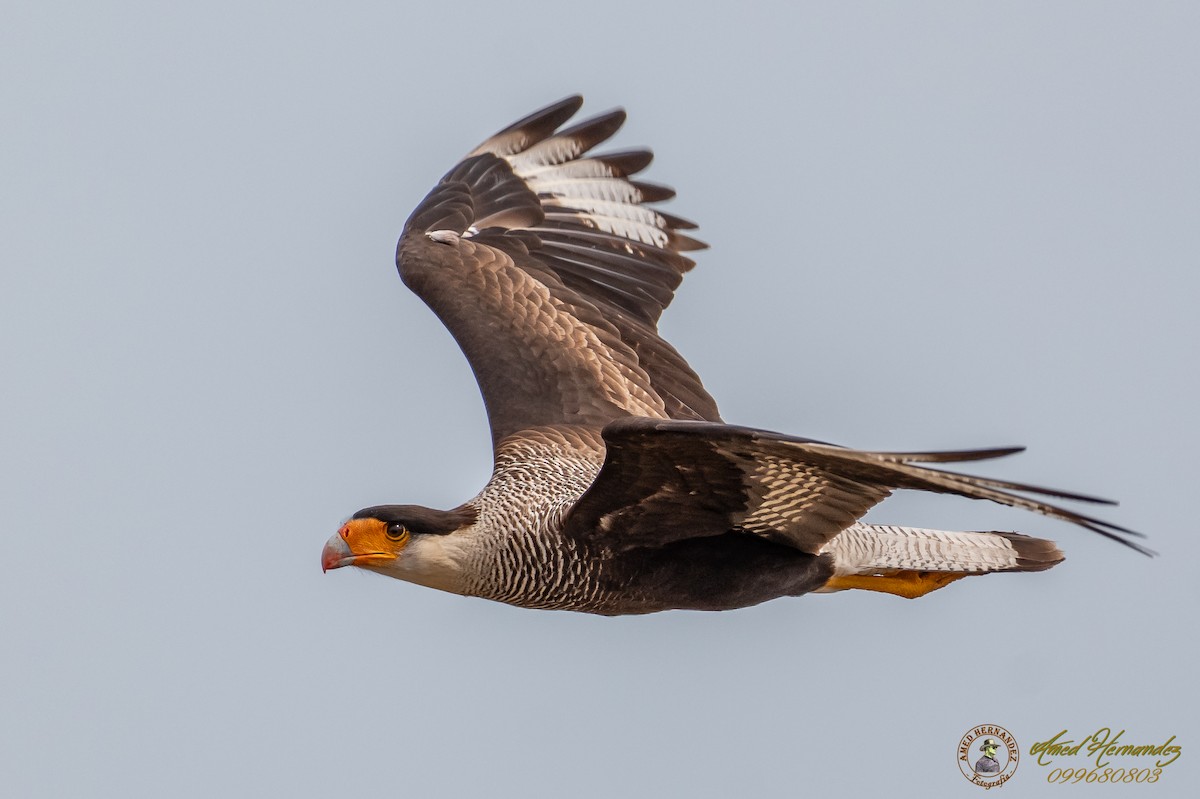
(715, 573)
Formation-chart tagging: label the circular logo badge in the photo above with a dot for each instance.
(988, 755)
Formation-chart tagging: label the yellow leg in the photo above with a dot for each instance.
(908, 584)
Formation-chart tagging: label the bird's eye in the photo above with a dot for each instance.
(396, 531)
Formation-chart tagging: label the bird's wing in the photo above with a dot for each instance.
(550, 270)
(667, 480)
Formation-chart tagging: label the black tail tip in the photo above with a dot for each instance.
(1033, 554)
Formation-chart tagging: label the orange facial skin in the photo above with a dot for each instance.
(363, 542)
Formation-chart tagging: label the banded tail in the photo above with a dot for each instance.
(911, 561)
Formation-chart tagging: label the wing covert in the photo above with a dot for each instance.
(666, 480)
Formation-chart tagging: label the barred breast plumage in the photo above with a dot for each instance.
(522, 557)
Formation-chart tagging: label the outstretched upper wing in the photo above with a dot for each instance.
(668, 480)
(551, 272)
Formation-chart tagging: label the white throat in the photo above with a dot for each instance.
(434, 561)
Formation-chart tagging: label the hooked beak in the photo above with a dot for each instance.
(336, 554)
(362, 542)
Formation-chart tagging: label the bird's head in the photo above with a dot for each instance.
(404, 541)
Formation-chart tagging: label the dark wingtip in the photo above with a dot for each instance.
(953, 455)
(653, 192)
(627, 162)
(562, 110)
(530, 129)
(595, 130)
(549, 118)
(1115, 532)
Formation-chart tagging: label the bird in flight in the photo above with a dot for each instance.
(617, 488)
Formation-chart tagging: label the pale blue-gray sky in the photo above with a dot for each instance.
(933, 226)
